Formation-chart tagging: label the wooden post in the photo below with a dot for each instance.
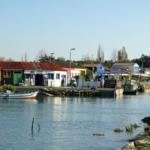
(32, 126)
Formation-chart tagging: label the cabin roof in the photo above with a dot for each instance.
(6, 65)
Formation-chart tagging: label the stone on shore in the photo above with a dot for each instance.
(140, 143)
(129, 146)
(146, 120)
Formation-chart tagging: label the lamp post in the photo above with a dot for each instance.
(51, 55)
(71, 49)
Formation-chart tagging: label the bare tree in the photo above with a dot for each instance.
(100, 54)
(41, 54)
(2, 58)
(114, 55)
(122, 54)
(25, 56)
(119, 55)
(10, 59)
(88, 59)
(5, 59)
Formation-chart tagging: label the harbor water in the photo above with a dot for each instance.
(70, 123)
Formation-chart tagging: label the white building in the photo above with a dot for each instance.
(44, 74)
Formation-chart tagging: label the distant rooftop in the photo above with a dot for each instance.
(10, 65)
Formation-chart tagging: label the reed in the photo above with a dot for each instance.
(147, 129)
(118, 130)
(130, 128)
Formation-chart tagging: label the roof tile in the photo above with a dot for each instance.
(5, 65)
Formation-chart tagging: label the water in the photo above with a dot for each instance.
(69, 123)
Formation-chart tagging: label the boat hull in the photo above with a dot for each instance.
(133, 92)
(31, 95)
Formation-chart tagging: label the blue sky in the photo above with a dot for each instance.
(58, 25)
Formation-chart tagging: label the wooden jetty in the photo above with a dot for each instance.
(146, 86)
(82, 92)
(74, 91)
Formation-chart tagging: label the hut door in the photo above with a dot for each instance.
(17, 78)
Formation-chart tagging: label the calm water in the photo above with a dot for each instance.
(69, 123)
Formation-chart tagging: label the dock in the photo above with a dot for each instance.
(146, 86)
(83, 92)
(74, 91)
(111, 88)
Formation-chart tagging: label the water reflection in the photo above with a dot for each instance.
(18, 100)
(62, 122)
(78, 100)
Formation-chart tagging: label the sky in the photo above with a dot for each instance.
(56, 26)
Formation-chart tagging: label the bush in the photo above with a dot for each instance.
(1, 89)
(89, 75)
(130, 128)
(9, 87)
(147, 78)
(147, 129)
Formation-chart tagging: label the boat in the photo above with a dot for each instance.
(30, 95)
(130, 87)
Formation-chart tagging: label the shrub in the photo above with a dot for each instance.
(1, 89)
(88, 75)
(147, 129)
(130, 128)
(9, 87)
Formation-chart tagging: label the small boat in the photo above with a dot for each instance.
(31, 95)
(130, 87)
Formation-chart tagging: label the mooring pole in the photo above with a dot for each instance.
(32, 126)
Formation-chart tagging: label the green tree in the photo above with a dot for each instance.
(44, 57)
(143, 61)
(89, 75)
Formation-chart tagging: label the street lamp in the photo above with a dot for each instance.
(51, 55)
(71, 49)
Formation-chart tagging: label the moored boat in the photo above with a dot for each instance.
(30, 95)
(130, 87)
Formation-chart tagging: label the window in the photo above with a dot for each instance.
(27, 76)
(57, 76)
(51, 76)
(7, 74)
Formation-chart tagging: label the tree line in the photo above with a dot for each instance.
(120, 55)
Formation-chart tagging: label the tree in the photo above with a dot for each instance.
(5, 59)
(100, 55)
(9, 59)
(143, 61)
(88, 59)
(43, 57)
(89, 75)
(62, 62)
(122, 54)
(25, 57)
(114, 55)
(61, 58)
(2, 58)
